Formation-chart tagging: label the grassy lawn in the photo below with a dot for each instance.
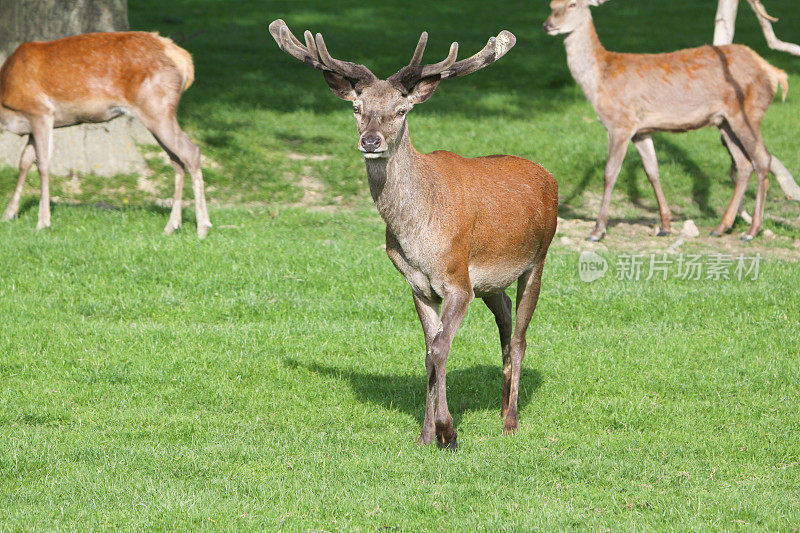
(272, 375)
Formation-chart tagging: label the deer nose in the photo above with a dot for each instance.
(371, 142)
(547, 26)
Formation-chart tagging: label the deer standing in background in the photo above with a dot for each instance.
(456, 228)
(637, 94)
(96, 77)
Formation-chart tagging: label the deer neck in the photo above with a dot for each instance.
(401, 188)
(584, 53)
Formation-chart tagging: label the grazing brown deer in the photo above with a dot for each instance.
(96, 77)
(637, 94)
(456, 228)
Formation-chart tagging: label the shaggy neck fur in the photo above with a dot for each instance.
(402, 188)
(583, 50)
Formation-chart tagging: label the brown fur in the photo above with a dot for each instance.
(96, 77)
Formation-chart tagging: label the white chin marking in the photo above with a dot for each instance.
(374, 155)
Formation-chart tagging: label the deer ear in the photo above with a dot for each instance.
(424, 90)
(340, 86)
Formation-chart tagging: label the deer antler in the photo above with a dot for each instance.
(408, 76)
(316, 54)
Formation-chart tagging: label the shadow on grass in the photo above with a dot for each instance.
(478, 387)
(630, 176)
(30, 203)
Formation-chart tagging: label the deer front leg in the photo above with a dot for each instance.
(644, 145)
(42, 127)
(25, 162)
(428, 312)
(454, 309)
(617, 144)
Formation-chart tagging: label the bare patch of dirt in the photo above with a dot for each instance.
(306, 157)
(144, 184)
(73, 186)
(314, 197)
(640, 238)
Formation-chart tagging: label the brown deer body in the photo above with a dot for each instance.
(456, 228)
(96, 77)
(730, 87)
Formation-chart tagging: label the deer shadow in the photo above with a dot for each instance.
(631, 177)
(478, 387)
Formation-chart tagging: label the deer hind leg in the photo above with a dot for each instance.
(528, 287)
(644, 145)
(164, 126)
(744, 169)
(26, 159)
(175, 218)
(733, 174)
(42, 132)
(617, 144)
(500, 306)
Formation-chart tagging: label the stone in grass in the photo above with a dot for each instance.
(690, 230)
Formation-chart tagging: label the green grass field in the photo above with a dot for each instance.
(272, 376)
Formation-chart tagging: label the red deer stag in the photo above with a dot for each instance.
(96, 77)
(456, 228)
(637, 94)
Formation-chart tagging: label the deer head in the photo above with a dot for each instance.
(380, 106)
(567, 15)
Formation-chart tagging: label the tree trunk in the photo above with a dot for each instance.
(725, 24)
(724, 29)
(104, 149)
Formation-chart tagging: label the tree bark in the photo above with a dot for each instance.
(104, 149)
(724, 29)
(725, 23)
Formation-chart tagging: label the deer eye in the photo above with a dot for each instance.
(356, 109)
(402, 112)
(573, 4)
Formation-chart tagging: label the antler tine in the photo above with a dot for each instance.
(345, 68)
(441, 66)
(416, 59)
(315, 53)
(292, 46)
(496, 48)
(310, 44)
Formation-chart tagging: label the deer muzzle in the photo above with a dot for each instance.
(372, 145)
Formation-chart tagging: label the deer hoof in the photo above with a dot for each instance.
(747, 237)
(426, 437)
(451, 444)
(595, 238)
(663, 233)
(42, 225)
(171, 228)
(202, 231)
(510, 426)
